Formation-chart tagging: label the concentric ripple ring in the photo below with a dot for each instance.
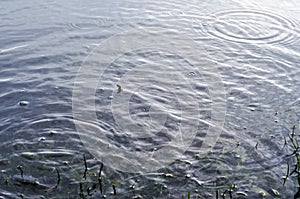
(251, 26)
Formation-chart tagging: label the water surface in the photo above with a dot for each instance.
(250, 47)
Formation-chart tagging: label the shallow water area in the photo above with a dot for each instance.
(171, 97)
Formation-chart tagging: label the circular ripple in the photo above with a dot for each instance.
(102, 143)
(249, 26)
(87, 25)
(45, 139)
(38, 144)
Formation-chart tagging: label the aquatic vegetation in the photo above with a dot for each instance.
(229, 191)
(100, 179)
(295, 160)
(20, 168)
(85, 167)
(58, 177)
(91, 183)
(81, 195)
(114, 186)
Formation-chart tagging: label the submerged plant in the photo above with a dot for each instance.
(81, 195)
(85, 167)
(229, 191)
(114, 186)
(58, 177)
(100, 179)
(20, 168)
(293, 143)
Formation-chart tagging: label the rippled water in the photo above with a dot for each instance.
(170, 96)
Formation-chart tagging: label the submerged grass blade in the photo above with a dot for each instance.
(81, 195)
(284, 143)
(287, 173)
(58, 177)
(224, 194)
(114, 186)
(100, 179)
(85, 167)
(100, 171)
(21, 170)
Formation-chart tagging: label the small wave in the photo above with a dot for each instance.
(88, 25)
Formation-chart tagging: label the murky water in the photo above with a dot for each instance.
(172, 97)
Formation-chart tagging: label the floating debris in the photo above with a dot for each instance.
(119, 88)
(197, 156)
(23, 103)
(168, 175)
(187, 162)
(28, 155)
(51, 133)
